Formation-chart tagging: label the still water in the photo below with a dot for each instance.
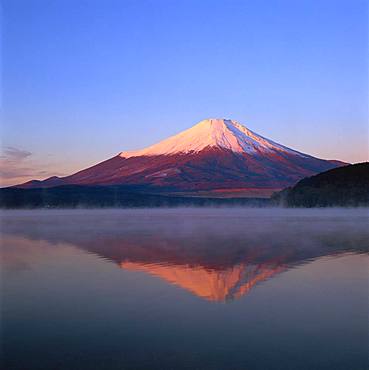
(219, 289)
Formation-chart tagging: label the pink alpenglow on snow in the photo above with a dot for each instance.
(216, 133)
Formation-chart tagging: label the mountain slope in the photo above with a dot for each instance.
(344, 186)
(214, 154)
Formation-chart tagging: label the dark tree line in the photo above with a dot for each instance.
(346, 186)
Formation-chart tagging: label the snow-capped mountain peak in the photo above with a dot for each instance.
(242, 161)
(219, 133)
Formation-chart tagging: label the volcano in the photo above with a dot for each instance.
(215, 155)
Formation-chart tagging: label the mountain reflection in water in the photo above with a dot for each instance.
(218, 255)
(214, 285)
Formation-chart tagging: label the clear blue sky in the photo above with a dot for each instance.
(84, 80)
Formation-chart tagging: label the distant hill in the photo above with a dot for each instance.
(346, 186)
(79, 196)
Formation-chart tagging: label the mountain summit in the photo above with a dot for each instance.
(215, 155)
(212, 133)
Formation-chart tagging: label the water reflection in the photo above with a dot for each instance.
(212, 284)
(218, 255)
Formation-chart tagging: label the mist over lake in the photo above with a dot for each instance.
(204, 288)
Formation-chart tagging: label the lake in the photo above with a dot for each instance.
(219, 289)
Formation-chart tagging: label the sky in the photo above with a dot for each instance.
(83, 80)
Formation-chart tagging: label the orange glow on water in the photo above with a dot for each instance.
(212, 285)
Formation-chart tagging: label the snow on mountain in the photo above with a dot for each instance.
(216, 133)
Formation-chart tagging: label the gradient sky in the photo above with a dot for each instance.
(85, 79)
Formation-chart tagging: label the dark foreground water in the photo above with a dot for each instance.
(224, 289)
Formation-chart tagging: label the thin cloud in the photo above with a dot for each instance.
(15, 154)
(18, 166)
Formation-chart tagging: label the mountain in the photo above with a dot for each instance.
(345, 186)
(215, 154)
